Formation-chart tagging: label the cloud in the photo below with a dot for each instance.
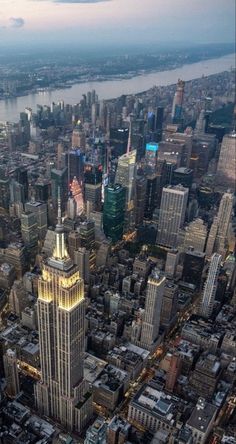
(16, 22)
(80, 1)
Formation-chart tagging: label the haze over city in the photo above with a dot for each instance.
(100, 23)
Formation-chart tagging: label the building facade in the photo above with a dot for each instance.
(114, 212)
(152, 316)
(172, 215)
(126, 176)
(226, 169)
(62, 392)
(208, 297)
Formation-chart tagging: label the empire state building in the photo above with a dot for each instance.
(62, 393)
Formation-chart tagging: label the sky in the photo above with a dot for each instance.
(108, 22)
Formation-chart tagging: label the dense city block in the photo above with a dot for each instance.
(118, 268)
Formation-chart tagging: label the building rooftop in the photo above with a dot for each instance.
(96, 431)
(202, 415)
(118, 423)
(209, 363)
(138, 350)
(159, 403)
(185, 348)
(111, 378)
(93, 367)
(125, 355)
(198, 330)
(6, 268)
(195, 253)
(16, 411)
(228, 439)
(161, 437)
(35, 203)
(21, 338)
(40, 427)
(31, 348)
(183, 170)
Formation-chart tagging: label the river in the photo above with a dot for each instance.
(11, 108)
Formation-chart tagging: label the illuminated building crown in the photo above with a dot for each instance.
(60, 258)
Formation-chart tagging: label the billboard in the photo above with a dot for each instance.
(152, 146)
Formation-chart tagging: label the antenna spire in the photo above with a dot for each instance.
(129, 139)
(60, 249)
(59, 218)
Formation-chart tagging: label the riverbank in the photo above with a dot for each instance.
(101, 78)
(11, 108)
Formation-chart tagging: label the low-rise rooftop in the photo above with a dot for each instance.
(202, 415)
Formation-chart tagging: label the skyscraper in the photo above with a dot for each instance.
(151, 155)
(114, 212)
(125, 176)
(141, 187)
(193, 266)
(178, 102)
(201, 122)
(87, 240)
(159, 120)
(195, 235)
(22, 178)
(172, 214)
(171, 151)
(153, 303)
(183, 176)
(217, 239)
(119, 140)
(74, 159)
(62, 392)
(60, 150)
(78, 196)
(17, 193)
(29, 229)
(11, 373)
(40, 211)
(151, 198)
(71, 208)
(59, 181)
(212, 238)
(4, 190)
(172, 260)
(78, 137)
(42, 189)
(203, 149)
(173, 372)
(169, 304)
(93, 185)
(73, 243)
(210, 287)
(15, 254)
(226, 169)
(187, 139)
(223, 220)
(82, 258)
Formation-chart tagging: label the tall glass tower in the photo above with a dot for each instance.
(126, 176)
(62, 392)
(114, 212)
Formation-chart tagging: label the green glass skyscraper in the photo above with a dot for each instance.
(114, 212)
